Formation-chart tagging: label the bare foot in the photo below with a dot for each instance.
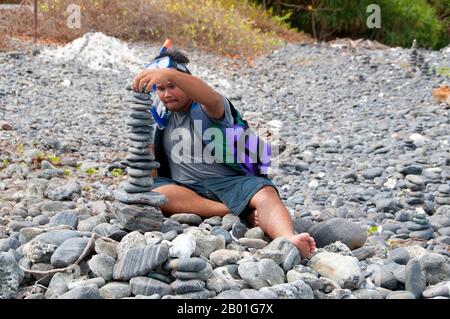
(304, 243)
(253, 218)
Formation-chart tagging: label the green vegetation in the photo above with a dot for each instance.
(55, 160)
(91, 171)
(229, 27)
(116, 172)
(401, 20)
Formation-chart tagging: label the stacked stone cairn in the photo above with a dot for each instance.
(413, 57)
(416, 185)
(137, 207)
(443, 195)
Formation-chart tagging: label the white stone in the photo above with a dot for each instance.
(131, 240)
(344, 270)
(183, 246)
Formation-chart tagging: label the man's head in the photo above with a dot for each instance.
(174, 99)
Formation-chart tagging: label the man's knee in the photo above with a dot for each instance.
(265, 194)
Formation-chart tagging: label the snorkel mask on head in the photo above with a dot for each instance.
(159, 111)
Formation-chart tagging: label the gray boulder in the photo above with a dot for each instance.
(338, 229)
(11, 276)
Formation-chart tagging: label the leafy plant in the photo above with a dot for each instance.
(117, 172)
(20, 149)
(373, 230)
(91, 171)
(53, 159)
(5, 162)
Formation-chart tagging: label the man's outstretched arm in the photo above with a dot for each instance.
(194, 87)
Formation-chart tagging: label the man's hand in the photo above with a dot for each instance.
(147, 78)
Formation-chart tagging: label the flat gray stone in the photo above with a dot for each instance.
(415, 281)
(85, 292)
(143, 181)
(400, 255)
(64, 192)
(444, 189)
(131, 188)
(294, 290)
(135, 144)
(145, 115)
(436, 268)
(115, 290)
(138, 217)
(139, 151)
(139, 137)
(141, 96)
(142, 165)
(138, 122)
(415, 179)
(57, 286)
(283, 252)
(97, 281)
(193, 264)
(68, 252)
(214, 221)
(363, 253)
(150, 198)
(442, 290)
(137, 105)
(69, 218)
(203, 274)
(134, 172)
(41, 247)
(219, 231)
(423, 234)
(90, 223)
(400, 295)
(206, 244)
(186, 286)
(148, 286)
(139, 261)
(140, 158)
(11, 276)
(373, 172)
(202, 294)
(238, 230)
(338, 229)
(102, 266)
(255, 233)
(228, 221)
(8, 243)
(253, 243)
(184, 218)
(223, 257)
(253, 294)
(106, 229)
(367, 294)
(261, 274)
(169, 225)
(226, 278)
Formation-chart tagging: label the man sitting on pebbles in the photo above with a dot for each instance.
(204, 188)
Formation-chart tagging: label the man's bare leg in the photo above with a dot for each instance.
(184, 200)
(275, 221)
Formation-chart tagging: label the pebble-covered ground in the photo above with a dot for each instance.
(364, 160)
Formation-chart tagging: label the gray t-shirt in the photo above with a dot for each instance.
(185, 152)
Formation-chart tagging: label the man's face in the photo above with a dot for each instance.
(174, 99)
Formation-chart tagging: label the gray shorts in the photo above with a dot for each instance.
(234, 191)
